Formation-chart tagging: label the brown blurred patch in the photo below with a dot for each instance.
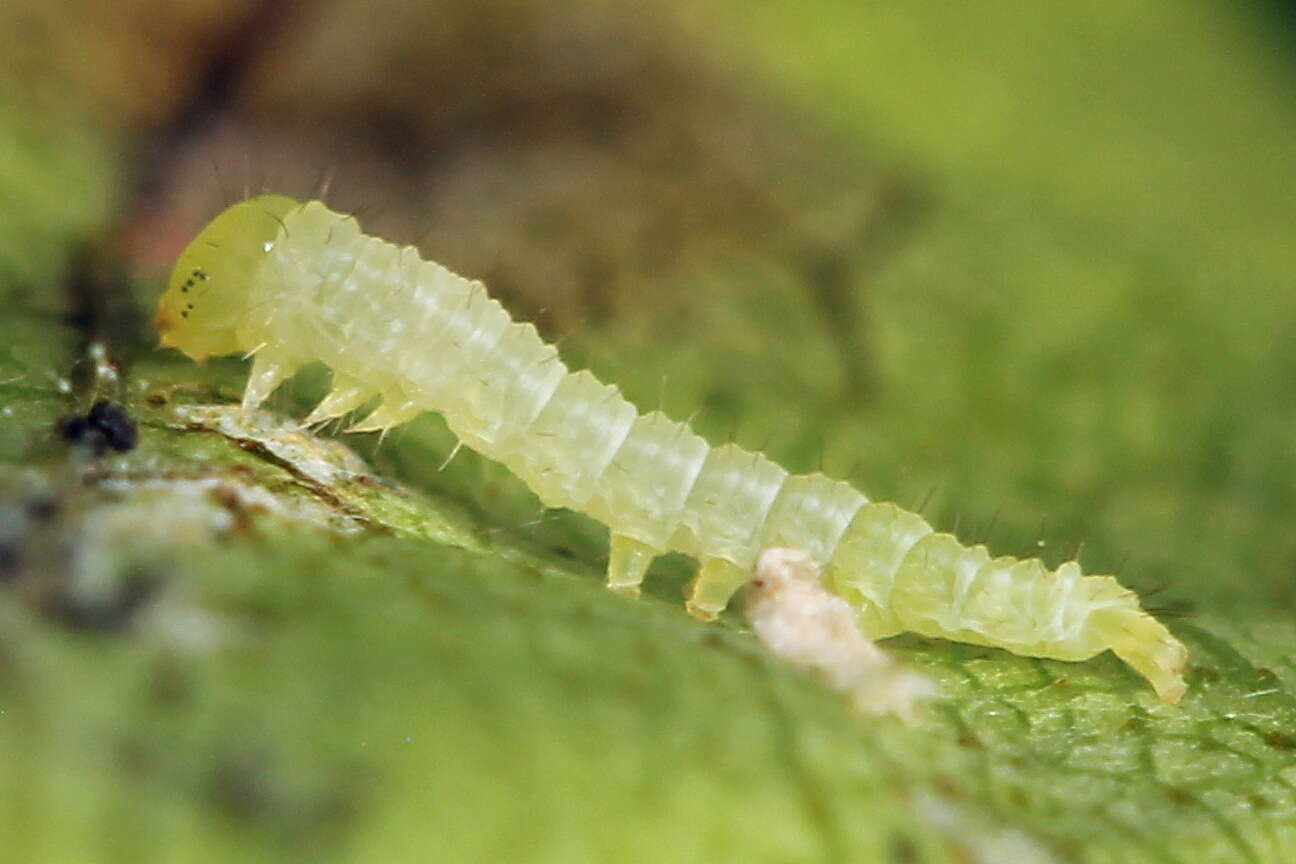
(134, 62)
(577, 155)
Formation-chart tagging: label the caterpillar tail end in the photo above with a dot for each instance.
(1147, 646)
(713, 587)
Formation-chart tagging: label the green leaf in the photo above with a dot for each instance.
(243, 642)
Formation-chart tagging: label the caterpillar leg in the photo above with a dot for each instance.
(713, 587)
(344, 397)
(628, 561)
(268, 372)
(392, 412)
(804, 623)
(1144, 643)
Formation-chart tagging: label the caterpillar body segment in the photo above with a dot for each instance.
(294, 283)
(904, 576)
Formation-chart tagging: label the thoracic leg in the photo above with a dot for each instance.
(1144, 643)
(628, 561)
(710, 592)
(392, 412)
(345, 396)
(268, 372)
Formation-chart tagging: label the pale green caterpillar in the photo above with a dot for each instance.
(294, 283)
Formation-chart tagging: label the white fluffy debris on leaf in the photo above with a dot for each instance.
(803, 623)
(322, 460)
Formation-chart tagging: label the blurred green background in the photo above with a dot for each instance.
(1030, 268)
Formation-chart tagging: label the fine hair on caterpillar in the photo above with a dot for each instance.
(292, 283)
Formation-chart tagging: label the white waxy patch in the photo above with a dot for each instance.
(805, 624)
(417, 337)
(321, 460)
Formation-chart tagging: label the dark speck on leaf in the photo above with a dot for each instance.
(116, 425)
(108, 614)
(946, 787)
(9, 560)
(79, 430)
(1280, 741)
(42, 508)
(1133, 724)
(903, 850)
(106, 426)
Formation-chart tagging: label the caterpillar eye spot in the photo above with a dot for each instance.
(578, 443)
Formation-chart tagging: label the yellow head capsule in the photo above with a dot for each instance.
(207, 295)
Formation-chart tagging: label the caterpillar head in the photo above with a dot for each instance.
(210, 287)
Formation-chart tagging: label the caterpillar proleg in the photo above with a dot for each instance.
(292, 283)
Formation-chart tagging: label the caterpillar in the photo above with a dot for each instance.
(291, 283)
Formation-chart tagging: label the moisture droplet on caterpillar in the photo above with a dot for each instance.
(294, 283)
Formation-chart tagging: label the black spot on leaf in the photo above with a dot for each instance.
(105, 427)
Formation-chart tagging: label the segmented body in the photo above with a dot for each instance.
(295, 283)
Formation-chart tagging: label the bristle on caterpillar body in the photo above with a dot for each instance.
(294, 283)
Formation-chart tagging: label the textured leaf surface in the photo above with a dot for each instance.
(238, 642)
